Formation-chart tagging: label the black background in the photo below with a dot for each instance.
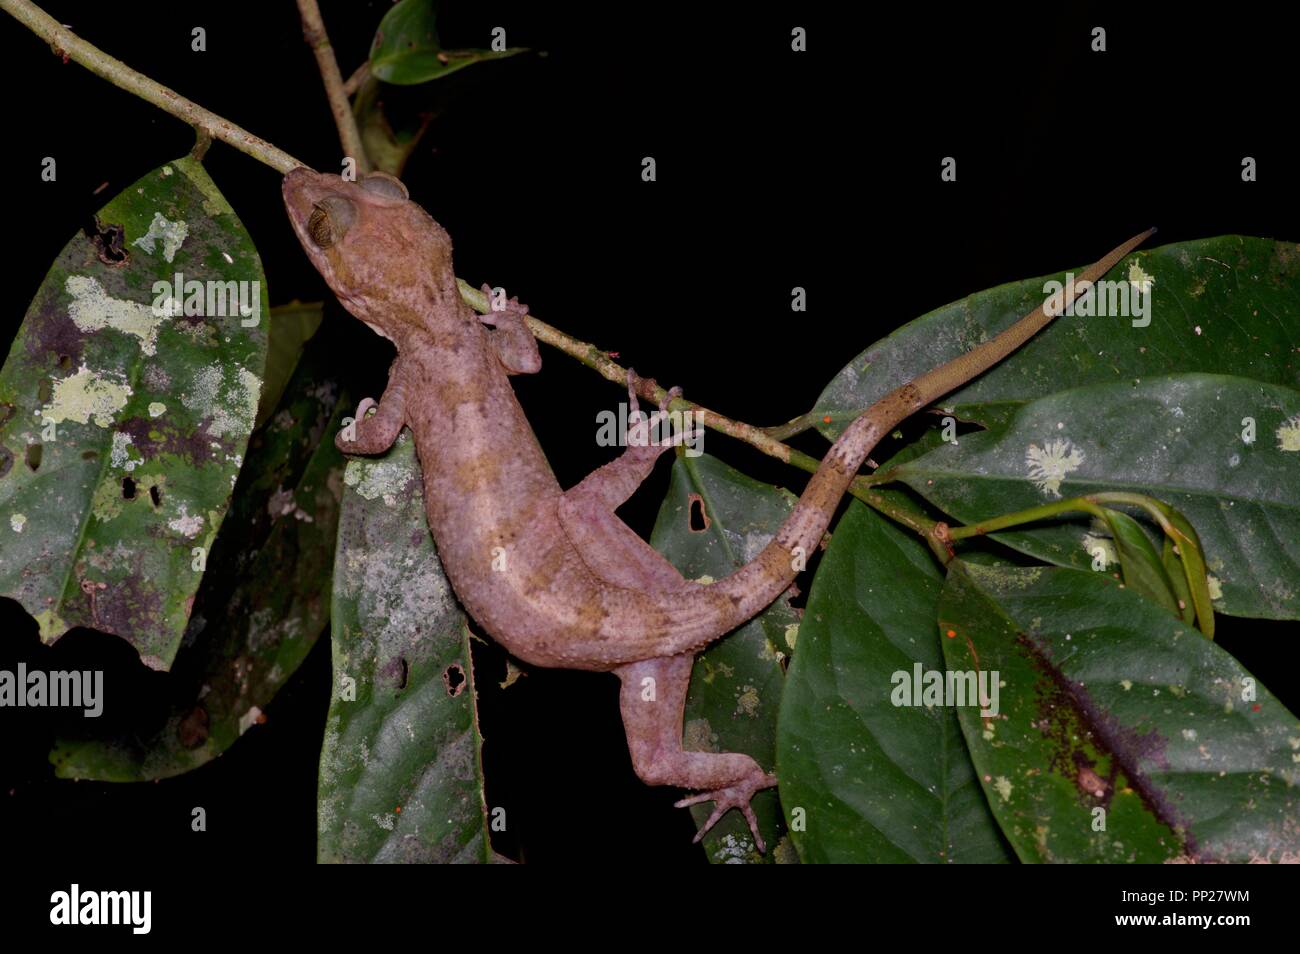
(774, 170)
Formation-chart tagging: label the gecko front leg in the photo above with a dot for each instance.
(653, 703)
(374, 434)
(514, 344)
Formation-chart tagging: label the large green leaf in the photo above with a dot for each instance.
(406, 48)
(1177, 438)
(1113, 713)
(264, 600)
(875, 781)
(122, 431)
(1228, 305)
(714, 520)
(400, 771)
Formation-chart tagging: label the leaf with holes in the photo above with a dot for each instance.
(714, 520)
(263, 603)
(122, 430)
(1121, 734)
(401, 777)
(406, 48)
(876, 777)
(1176, 438)
(1227, 305)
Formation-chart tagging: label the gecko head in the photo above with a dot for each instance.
(379, 252)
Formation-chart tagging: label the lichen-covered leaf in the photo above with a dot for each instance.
(1121, 734)
(400, 772)
(1177, 438)
(875, 781)
(713, 521)
(122, 429)
(406, 48)
(1226, 305)
(263, 603)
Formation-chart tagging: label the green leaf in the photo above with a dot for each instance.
(1177, 438)
(876, 782)
(401, 776)
(406, 48)
(263, 603)
(1139, 563)
(290, 328)
(1227, 305)
(391, 126)
(1110, 710)
(736, 684)
(122, 432)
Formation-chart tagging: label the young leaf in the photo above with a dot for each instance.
(122, 430)
(1176, 438)
(406, 48)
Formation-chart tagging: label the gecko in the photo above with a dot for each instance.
(578, 588)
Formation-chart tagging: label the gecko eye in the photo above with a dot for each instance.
(330, 220)
(382, 184)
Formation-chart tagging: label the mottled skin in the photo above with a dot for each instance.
(553, 574)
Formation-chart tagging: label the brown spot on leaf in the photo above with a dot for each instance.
(193, 728)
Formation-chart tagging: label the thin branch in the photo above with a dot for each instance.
(313, 31)
(647, 389)
(67, 44)
(359, 76)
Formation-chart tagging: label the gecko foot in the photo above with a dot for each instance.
(365, 405)
(512, 307)
(736, 795)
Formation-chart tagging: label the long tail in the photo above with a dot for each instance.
(695, 618)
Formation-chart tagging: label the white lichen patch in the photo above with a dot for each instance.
(171, 235)
(249, 719)
(231, 407)
(17, 521)
(791, 634)
(120, 454)
(93, 309)
(186, 524)
(1002, 785)
(747, 702)
(1215, 586)
(157, 408)
(1052, 463)
(383, 479)
(1139, 279)
(87, 395)
(1288, 434)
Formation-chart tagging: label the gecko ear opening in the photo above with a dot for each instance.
(382, 184)
(330, 220)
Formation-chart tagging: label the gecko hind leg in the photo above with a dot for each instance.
(653, 702)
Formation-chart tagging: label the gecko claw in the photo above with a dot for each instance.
(725, 799)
